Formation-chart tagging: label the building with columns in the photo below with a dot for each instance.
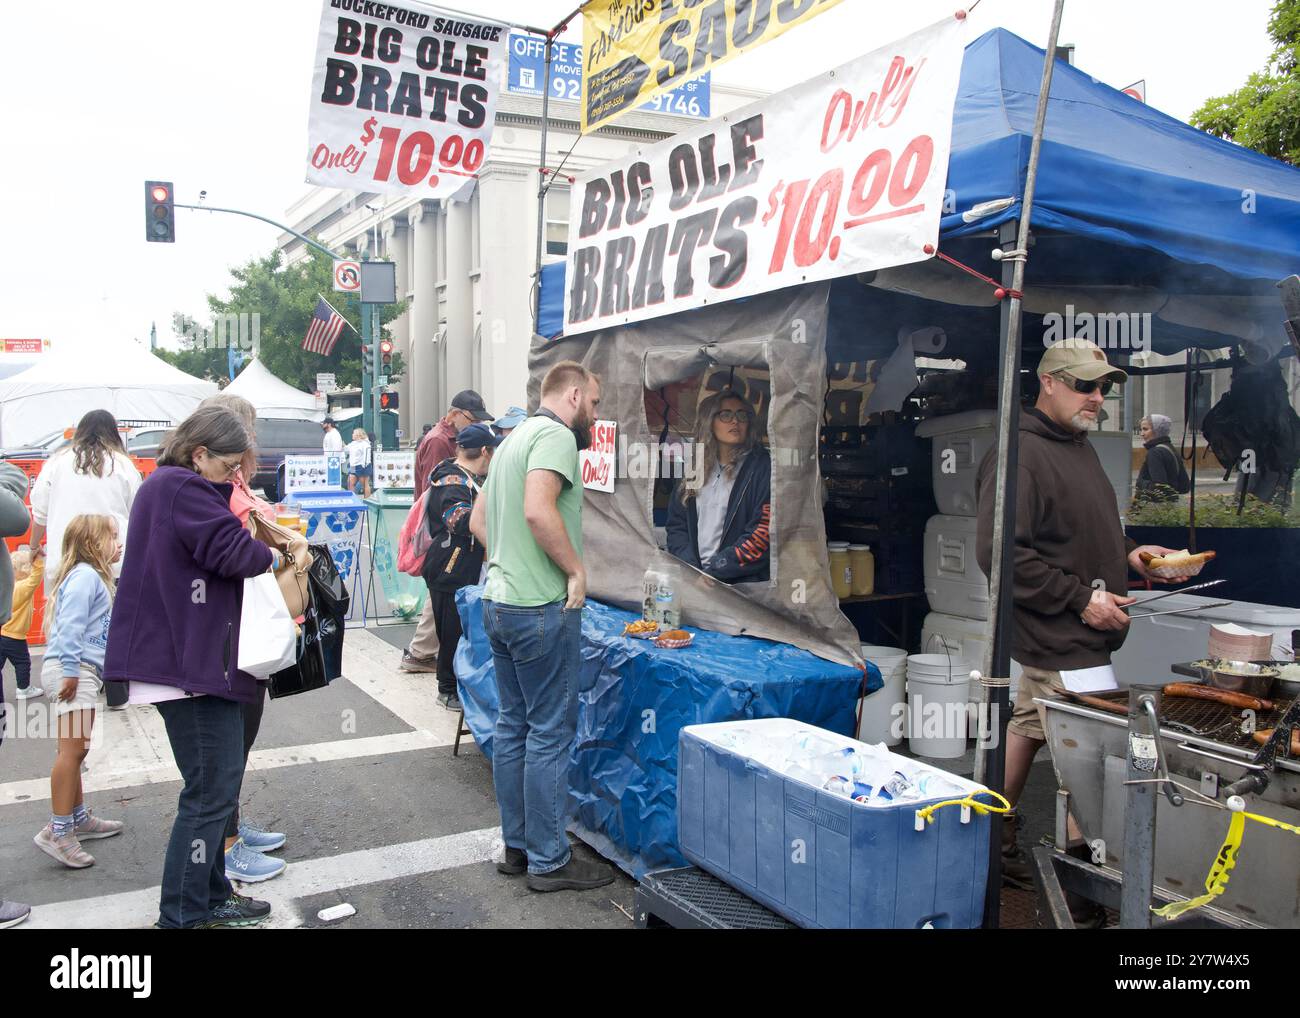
(466, 268)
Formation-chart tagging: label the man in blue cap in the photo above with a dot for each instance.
(455, 558)
(508, 421)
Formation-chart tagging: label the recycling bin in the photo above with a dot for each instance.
(335, 518)
(389, 508)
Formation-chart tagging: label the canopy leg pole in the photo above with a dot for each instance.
(543, 185)
(994, 757)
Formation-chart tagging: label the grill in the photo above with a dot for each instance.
(1208, 720)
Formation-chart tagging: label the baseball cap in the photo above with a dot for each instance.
(477, 436)
(512, 418)
(1080, 358)
(472, 403)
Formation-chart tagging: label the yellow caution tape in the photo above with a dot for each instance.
(927, 814)
(1217, 880)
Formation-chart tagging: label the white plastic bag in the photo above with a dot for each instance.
(267, 636)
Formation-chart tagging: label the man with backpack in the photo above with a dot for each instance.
(1162, 477)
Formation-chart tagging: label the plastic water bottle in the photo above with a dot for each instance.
(649, 587)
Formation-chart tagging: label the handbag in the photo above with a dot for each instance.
(308, 671)
(268, 639)
(291, 576)
(328, 592)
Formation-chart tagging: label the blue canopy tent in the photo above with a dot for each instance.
(1134, 211)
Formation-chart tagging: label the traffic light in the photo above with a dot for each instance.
(159, 212)
(386, 355)
(388, 401)
(367, 360)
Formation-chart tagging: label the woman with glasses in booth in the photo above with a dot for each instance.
(720, 513)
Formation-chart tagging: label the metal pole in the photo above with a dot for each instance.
(367, 380)
(998, 662)
(253, 215)
(1139, 816)
(542, 186)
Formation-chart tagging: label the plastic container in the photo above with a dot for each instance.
(820, 859)
(954, 582)
(863, 565)
(960, 443)
(666, 612)
(967, 639)
(938, 713)
(882, 714)
(841, 570)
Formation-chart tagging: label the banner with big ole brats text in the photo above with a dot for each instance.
(403, 101)
(842, 174)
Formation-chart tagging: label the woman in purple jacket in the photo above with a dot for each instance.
(175, 638)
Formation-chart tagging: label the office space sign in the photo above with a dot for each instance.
(527, 76)
(403, 101)
(637, 49)
(842, 174)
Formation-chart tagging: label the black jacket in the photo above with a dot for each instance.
(743, 551)
(455, 558)
(1162, 474)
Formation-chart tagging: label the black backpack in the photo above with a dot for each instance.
(1255, 414)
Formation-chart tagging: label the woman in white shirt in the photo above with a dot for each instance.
(358, 452)
(92, 476)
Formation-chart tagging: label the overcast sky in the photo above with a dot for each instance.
(100, 96)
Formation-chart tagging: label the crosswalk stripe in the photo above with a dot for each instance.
(137, 909)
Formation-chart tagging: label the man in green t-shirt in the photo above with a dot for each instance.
(530, 520)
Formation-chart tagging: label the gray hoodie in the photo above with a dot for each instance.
(14, 521)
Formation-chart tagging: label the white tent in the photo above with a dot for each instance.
(273, 398)
(125, 379)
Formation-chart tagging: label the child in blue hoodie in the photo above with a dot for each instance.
(76, 637)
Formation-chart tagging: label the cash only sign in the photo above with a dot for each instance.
(842, 174)
(403, 101)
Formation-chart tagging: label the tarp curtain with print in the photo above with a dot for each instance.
(842, 174)
(403, 101)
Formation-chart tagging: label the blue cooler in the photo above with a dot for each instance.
(821, 859)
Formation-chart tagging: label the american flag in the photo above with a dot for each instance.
(323, 333)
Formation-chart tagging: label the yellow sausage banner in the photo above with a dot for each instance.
(639, 49)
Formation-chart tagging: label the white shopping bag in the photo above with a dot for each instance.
(268, 639)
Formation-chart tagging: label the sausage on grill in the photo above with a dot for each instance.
(1263, 735)
(1192, 691)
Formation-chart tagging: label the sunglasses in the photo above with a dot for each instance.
(1088, 387)
(727, 416)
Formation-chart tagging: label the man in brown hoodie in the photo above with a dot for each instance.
(1071, 556)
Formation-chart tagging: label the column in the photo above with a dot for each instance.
(423, 379)
(460, 300)
(395, 233)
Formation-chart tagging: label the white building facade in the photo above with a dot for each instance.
(466, 269)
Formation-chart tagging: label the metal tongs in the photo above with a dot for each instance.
(1178, 611)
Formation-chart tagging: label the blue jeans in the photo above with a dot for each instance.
(207, 738)
(537, 657)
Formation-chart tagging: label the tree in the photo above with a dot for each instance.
(283, 298)
(1264, 114)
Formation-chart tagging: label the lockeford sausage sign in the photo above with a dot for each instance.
(842, 174)
(403, 101)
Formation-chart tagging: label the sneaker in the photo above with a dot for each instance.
(259, 840)
(515, 862)
(249, 867)
(575, 875)
(12, 913)
(410, 663)
(236, 911)
(449, 700)
(29, 692)
(66, 849)
(93, 827)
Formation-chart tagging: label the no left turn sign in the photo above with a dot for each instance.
(347, 276)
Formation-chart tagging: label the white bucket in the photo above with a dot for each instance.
(937, 709)
(878, 720)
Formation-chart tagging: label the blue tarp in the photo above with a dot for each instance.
(1138, 196)
(636, 697)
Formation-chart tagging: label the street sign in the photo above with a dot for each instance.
(24, 345)
(1138, 90)
(379, 282)
(347, 276)
(382, 380)
(325, 382)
